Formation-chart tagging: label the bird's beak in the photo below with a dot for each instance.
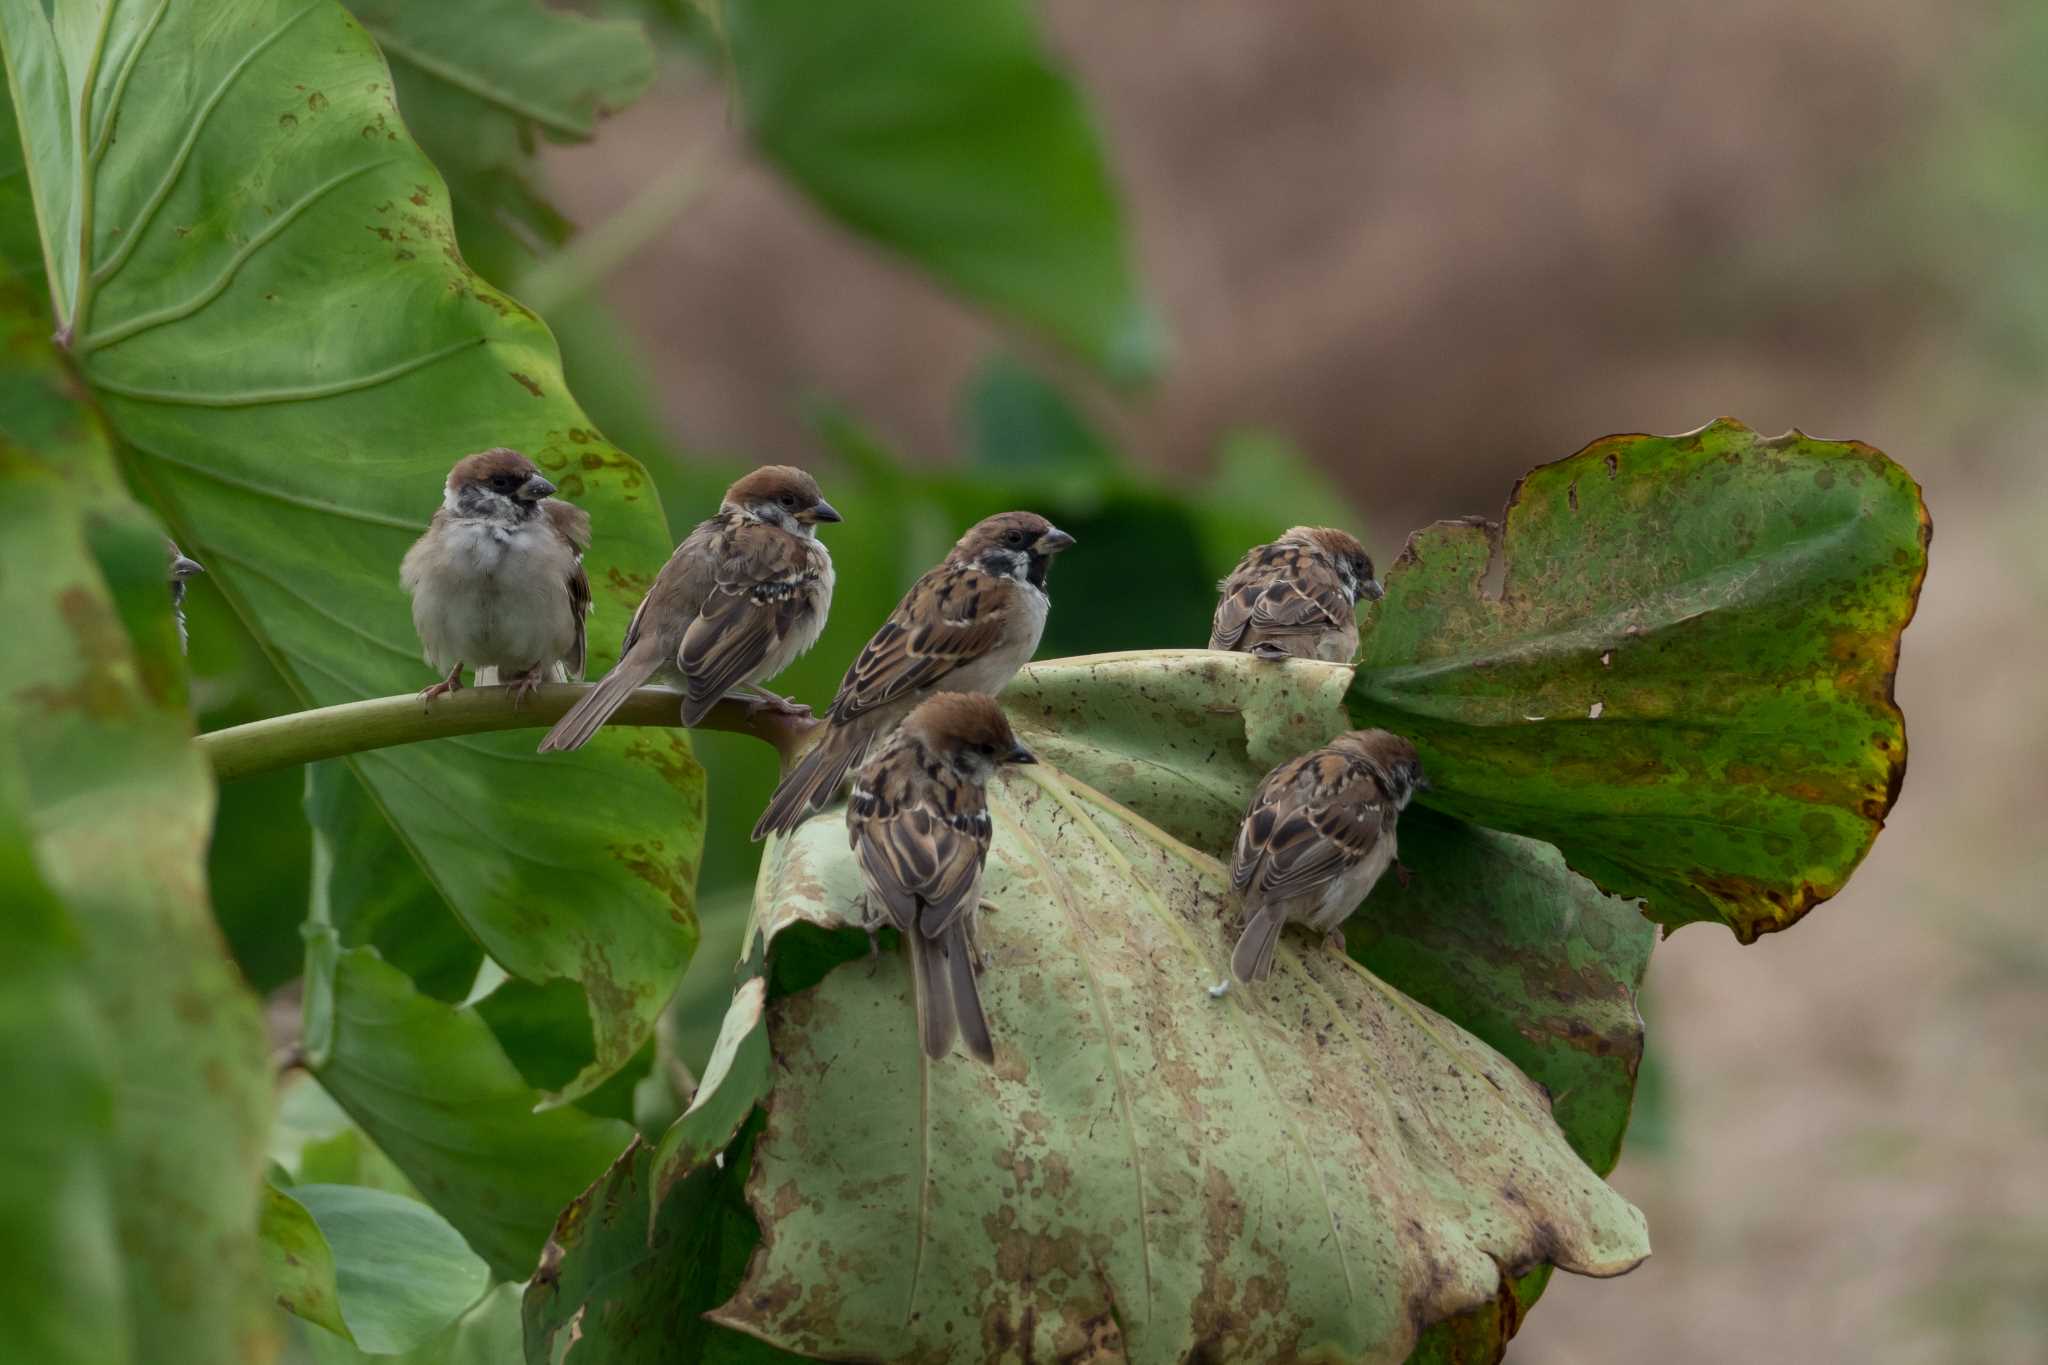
(825, 511)
(1053, 541)
(1020, 754)
(1371, 590)
(184, 567)
(535, 488)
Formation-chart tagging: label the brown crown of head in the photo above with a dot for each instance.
(503, 470)
(787, 487)
(955, 722)
(1338, 545)
(1392, 753)
(1026, 531)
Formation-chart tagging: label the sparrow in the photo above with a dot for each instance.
(742, 596)
(1296, 598)
(181, 569)
(497, 581)
(966, 626)
(1316, 837)
(919, 826)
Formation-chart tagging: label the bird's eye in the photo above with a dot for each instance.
(985, 749)
(1014, 539)
(502, 482)
(788, 500)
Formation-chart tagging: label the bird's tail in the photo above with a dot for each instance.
(948, 1001)
(574, 730)
(1253, 959)
(814, 779)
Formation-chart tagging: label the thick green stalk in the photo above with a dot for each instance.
(333, 731)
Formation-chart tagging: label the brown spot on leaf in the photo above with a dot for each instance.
(527, 383)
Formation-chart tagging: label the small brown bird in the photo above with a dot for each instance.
(1296, 598)
(967, 626)
(918, 823)
(1317, 836)
(497, 581)
(181, 569)
(742, 596)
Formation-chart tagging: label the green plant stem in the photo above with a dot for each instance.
(333, 731)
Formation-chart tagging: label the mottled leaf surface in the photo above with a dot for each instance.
(480, 82)
(1491, 931)
(118, 803)
(1683, 676)
(1315, 1165)
(947, 134)
(260, 283)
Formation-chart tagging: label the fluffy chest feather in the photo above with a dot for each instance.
(492, 594)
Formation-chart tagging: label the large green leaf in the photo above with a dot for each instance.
(946, 133)
(57, 1069)
(382, 1270)
(431, 1086)
(260, 282)
(1683, 677)
(488, 1334)
(481, 81)
(1315, 1165)
(118, 803)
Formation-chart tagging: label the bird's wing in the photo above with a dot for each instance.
(920, 839)
(1313, 819)
(760, 587)
(951, 616)
(572, 524)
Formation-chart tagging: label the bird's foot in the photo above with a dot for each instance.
(765, 701)
(524, 685)
(451, 683)
(1334, 941)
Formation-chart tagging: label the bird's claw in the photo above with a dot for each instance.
(1334, 941)
(451, 683)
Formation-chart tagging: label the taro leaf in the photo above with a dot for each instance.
(1316, 1166)
(384, 1271)
(262, 288)
(636, 1258)
(1684, 677)
(119, 802)
(482, 80)
(946, 133)
(487, 1334)
(1492, 931)
(433, 1089)
(300, 1262)
(56, 1067)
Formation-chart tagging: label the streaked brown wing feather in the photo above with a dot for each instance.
(922, 848)
(1312, 818)
(963, 613)
(572, 524)
(755, 597)
(1281, 589)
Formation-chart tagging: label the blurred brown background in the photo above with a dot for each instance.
(1437, 244)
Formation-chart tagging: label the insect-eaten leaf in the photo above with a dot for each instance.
(1314, 1165)
(1673, 659)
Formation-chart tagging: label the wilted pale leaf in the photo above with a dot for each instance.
(1316, 1164)
(1491, 930)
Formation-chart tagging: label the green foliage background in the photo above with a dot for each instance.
(284, 248)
